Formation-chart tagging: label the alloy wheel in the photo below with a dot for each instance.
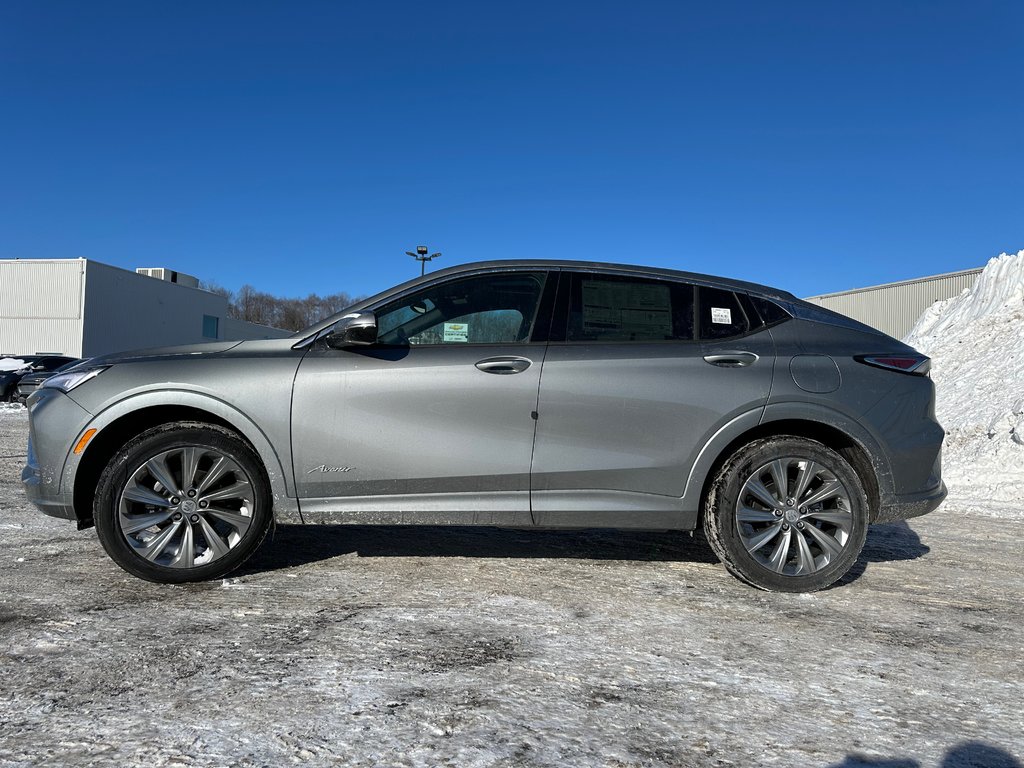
(794, 516)
(186, 507)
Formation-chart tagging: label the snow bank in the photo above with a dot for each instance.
(976, 342)
(11, 364)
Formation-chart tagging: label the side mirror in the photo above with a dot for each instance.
(358, 329)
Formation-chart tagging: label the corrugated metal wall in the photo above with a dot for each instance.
(893, 308)
(41, 306)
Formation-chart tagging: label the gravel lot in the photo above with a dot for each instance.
(466, 647)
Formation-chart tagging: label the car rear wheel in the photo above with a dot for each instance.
(787, 514)
(182, 502)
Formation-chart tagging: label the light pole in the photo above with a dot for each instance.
(422, 258)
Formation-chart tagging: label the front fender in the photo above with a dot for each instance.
(280, 480)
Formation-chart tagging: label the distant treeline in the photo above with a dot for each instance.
(280, 312)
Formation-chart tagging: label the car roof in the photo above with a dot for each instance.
(602, 266)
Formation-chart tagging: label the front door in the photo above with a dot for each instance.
(438, 417)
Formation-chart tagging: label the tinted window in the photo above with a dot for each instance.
(721, 315)
(769, 311)
(613, 308)
(485, 309)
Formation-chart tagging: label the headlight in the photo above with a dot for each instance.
(65, 382)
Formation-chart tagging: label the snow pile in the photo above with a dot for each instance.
(976, 342)
(12, 364)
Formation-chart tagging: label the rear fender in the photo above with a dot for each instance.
(757, 423)
(849, 426)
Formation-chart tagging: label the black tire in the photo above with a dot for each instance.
(781, 563)
(221, 535)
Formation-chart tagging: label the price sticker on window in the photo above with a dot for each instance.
(456, 332)
(721, 315)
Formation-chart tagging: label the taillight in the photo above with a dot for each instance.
(916, 365)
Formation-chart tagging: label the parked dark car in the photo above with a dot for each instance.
(544, 394)
(31, 381)
(32, 364)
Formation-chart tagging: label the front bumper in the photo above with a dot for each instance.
(55, 423)
(52, 504)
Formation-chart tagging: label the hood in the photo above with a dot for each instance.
(163, 353)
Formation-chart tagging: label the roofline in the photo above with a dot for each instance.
(607, 266)
(86, 260)
(929, 278)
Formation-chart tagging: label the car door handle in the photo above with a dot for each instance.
(731, 359)
(504, 365)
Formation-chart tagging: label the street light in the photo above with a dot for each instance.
(422, 258)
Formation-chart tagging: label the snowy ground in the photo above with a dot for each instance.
(476, 647)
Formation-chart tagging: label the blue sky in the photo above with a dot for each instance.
(304, 146)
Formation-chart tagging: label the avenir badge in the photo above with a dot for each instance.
(326, 468)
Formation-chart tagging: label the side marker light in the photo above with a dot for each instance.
(80, 446)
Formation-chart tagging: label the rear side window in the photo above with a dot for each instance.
(721, 314)
(770, 312)
(615, 308)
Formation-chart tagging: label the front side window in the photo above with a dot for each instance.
(614, 308)
(483, 309)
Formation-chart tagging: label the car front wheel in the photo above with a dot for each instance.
(787, 514)
(182, 502)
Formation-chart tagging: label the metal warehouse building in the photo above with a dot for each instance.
(83, 308)
(893, 308)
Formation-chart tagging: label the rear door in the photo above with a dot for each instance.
(639, 374)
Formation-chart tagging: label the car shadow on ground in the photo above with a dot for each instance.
(887, 543)
(289, 546)
(292, 545)
(969, 754)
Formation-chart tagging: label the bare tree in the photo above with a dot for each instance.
(291, 314)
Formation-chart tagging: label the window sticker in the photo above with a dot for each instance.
(638, 308)
(456, 332)
(721, 315)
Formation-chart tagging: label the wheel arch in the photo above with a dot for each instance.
(117, 425)
(853, 443)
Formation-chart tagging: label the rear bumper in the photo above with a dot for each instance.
(911, 505)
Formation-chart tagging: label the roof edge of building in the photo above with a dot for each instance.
(912, 281)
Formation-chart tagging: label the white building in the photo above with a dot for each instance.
(83, 308)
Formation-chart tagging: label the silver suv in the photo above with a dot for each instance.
(540, 394)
